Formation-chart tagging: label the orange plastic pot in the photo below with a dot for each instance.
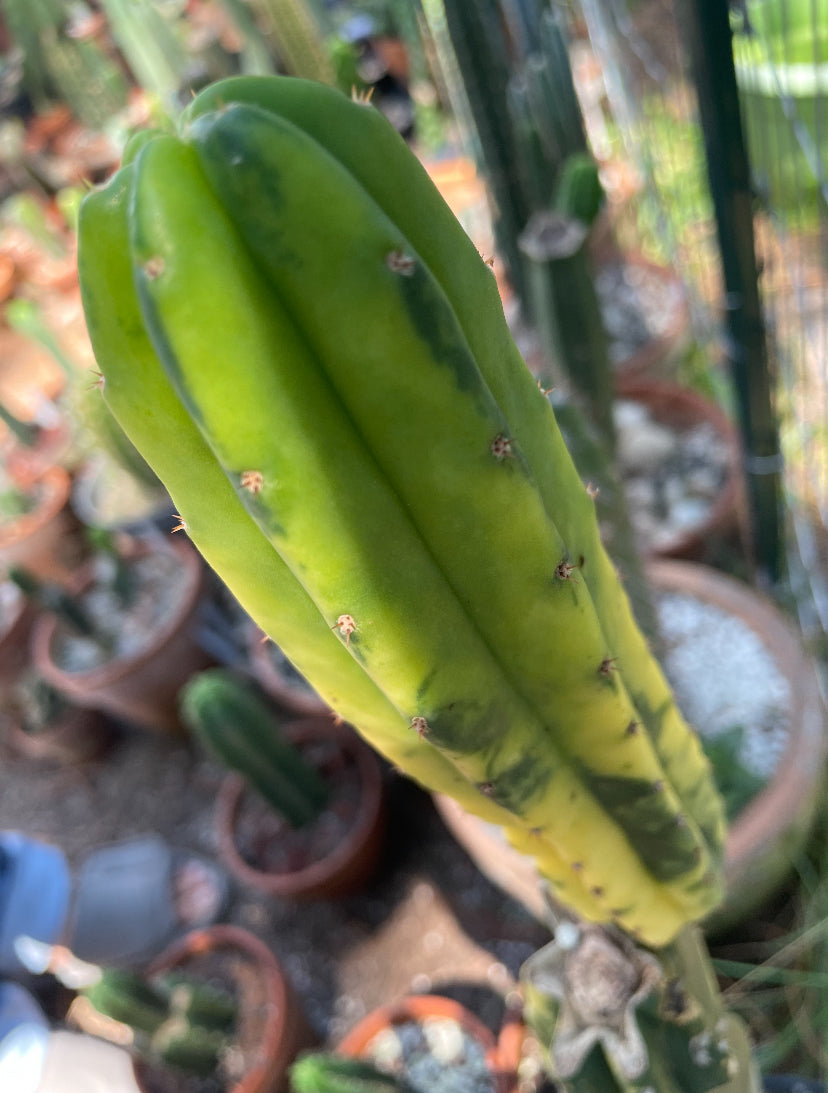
(355, 858)
(503, 1054)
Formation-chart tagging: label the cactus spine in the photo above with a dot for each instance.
(238, 728)
(531, 682)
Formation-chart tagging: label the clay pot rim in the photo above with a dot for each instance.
(776, 805)
(58, 487)
(328, 876)
(89, 727)
(105, 674)
(503, 1053)
(729, 503)
(223, 936)
(294, 700)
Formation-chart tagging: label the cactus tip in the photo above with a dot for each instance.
(632, 729)
(592, 491)
(607, 666)
(486, 788)
(181, 526)
(100, 382)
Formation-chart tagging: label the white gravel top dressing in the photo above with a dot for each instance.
(437, 1056)
(723, 676)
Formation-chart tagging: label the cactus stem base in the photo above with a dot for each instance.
(612, 1015)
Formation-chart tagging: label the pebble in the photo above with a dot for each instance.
(724, 677)
(672, 478)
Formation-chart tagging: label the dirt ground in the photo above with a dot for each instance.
(428, 921)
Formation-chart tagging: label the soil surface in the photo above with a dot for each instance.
(428, 922)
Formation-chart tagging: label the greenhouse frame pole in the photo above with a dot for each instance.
(707, 28)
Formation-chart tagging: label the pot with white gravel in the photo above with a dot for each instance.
(679, 458)
(742, 677)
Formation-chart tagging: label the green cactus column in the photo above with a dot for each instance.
(313, 357)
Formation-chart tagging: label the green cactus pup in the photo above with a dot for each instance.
(178, 1021)
(308, 350)
(239, 729)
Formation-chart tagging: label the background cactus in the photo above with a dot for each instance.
(312, 355)
(178, 1021)
(241, 731)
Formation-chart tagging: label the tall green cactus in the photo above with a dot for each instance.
(238, 728)
(313, 357)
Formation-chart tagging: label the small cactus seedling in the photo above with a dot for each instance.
(239, 729)
(176, 1020)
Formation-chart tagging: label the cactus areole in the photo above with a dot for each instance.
(305, 346)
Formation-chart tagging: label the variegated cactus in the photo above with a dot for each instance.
(311, 354)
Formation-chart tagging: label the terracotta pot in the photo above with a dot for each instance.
(681, 409)
(286, 1031)
(502, 1055)
(42, 540)
(765, 838)
(25, 465)
(298, 699)
(75, 736)
(143, 687)
(355, 858)
(16, 621)
(8, 276)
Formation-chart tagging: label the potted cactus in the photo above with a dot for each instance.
(215, 1005)
(419, 1038)
(415, 538)
(302, 815)
(36, 524)
(122, 637)
(39, 723)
